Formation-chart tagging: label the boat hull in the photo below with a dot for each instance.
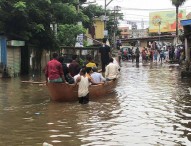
(63, 92)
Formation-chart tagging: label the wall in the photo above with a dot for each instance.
(99, 29)
(3, 51)
(13, 60)
(124, 32)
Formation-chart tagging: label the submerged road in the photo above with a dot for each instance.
(151, 106)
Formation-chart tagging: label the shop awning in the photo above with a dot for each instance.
(185, 22)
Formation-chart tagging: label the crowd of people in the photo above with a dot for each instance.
(165, 54)
(83, 76)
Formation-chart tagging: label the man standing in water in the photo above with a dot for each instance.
(104, 50)
(83, 86)
(137, 54)
(54, 71)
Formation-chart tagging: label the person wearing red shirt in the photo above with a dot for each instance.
(54, 71)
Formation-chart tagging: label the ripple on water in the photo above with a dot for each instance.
(150, 107)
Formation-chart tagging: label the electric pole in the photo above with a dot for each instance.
(105, 21)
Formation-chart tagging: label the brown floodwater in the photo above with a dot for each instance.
(151, 106)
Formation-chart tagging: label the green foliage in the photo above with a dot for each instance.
(39, 28)
(21, 6)
(92, 11)
(82, 1)
(178, 3)
(30, 20)
(67, 34)
(64, 13)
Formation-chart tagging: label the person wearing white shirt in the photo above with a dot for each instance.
(112, 70)
(97, 77)
(116, 62)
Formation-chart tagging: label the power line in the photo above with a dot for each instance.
(140, 9)
(136, 15)
(138, 21)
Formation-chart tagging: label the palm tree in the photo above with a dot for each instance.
(177, 4)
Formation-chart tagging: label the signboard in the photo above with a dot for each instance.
(79, 40)
(165, 21)
(16, 43)
(105, 32)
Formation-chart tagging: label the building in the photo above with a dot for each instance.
(187, 34)
(138, 33)
(10, 56)
(3, 52)
(99, 28)
(188, 16)
(124, 32)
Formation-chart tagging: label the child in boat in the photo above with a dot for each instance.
(83, 87)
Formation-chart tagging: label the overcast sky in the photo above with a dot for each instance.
(138, 10)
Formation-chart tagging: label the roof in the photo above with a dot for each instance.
(185, 22)
(149, 38)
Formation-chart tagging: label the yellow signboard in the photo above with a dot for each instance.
(165, 21)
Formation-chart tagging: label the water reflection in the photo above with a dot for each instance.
(151, 106)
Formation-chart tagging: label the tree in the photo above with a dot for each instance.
(177, 4)
(30, 20)
(67, 34)
(93, 11)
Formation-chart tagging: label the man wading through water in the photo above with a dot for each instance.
(83, 86)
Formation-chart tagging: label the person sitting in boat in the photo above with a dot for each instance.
(83, 86)
(54, 71)
(90, 63)
(89, 72)
(67, 75)
(112, 70)
(74, 66)
(97, 77)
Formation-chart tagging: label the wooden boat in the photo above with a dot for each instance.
(63, 92)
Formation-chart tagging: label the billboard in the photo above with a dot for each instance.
(165, 21)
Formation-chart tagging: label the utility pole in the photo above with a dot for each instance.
(116, 9)
(159, 23)
(114, 30)
(105, 7)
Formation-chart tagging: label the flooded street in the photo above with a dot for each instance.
(151, 106)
